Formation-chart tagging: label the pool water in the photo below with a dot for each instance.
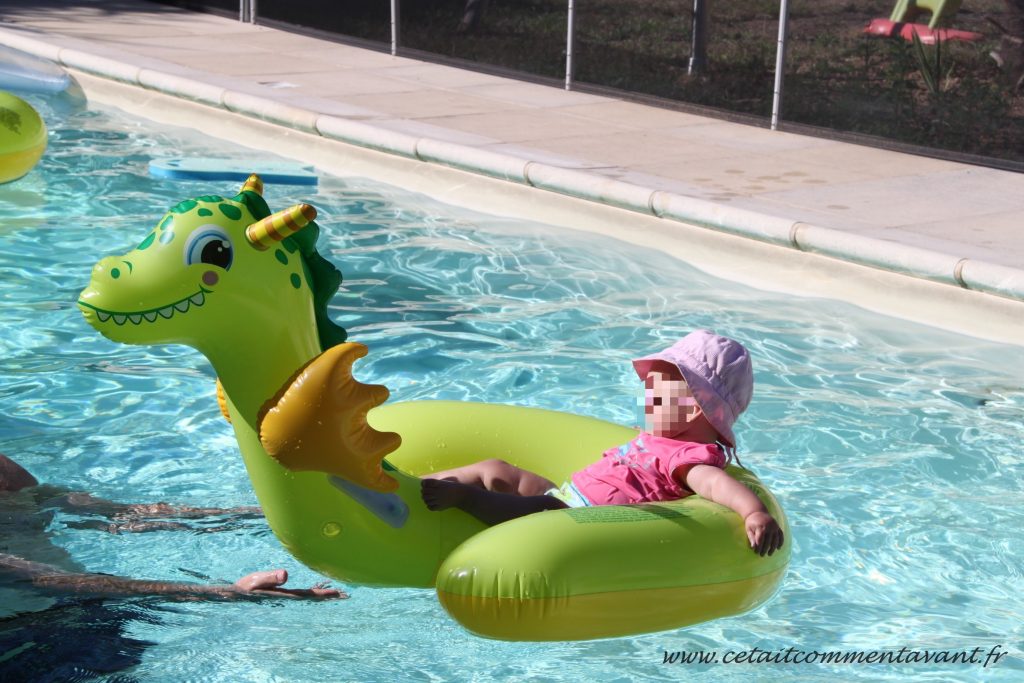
(894, 448)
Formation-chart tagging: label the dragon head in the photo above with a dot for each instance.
(217, 272)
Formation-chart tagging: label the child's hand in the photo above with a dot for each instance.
(763, 532)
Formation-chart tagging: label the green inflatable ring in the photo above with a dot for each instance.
(588, 572)
(22, 137)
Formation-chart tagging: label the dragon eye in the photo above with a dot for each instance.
(211, 245)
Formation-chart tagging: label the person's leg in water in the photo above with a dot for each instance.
(498, 476)
(490, 507)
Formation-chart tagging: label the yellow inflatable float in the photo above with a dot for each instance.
(340, 487)
(22, 137)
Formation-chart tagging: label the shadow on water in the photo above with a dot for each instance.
(74, 640)
(48, 638)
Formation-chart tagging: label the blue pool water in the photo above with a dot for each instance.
(894, 448)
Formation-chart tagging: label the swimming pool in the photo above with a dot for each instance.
(895, 448)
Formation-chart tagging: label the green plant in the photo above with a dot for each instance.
(934, 72)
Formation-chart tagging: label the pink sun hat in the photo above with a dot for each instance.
(718, 372)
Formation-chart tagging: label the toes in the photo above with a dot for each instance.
(428, 491)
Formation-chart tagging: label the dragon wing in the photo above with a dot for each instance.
(318, 423)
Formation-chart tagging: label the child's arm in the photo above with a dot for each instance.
(716, 485)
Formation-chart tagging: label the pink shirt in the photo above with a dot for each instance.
(641, 471)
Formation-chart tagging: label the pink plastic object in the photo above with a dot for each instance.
(892, 29)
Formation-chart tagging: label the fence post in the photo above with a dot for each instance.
(780, 64)
(570, 40)
(395, 9)
(699, 41)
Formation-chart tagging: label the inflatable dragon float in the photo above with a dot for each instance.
(340, 488)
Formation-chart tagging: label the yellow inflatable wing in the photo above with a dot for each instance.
(319, 422)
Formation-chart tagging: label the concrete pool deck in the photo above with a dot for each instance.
(943, 221)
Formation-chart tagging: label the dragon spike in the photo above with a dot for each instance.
(275, 227)
(253, 184)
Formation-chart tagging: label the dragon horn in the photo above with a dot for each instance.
(275, 227)
(253, 184)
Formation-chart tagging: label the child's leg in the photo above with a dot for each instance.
(498, 476)
(490, 507)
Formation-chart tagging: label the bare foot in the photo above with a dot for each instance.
(441, 494)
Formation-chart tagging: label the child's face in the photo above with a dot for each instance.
(669, 407)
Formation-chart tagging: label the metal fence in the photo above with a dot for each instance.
(948, 80)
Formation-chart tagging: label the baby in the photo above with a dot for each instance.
(695, 390)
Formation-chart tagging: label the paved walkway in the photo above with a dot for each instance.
(958, 210)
